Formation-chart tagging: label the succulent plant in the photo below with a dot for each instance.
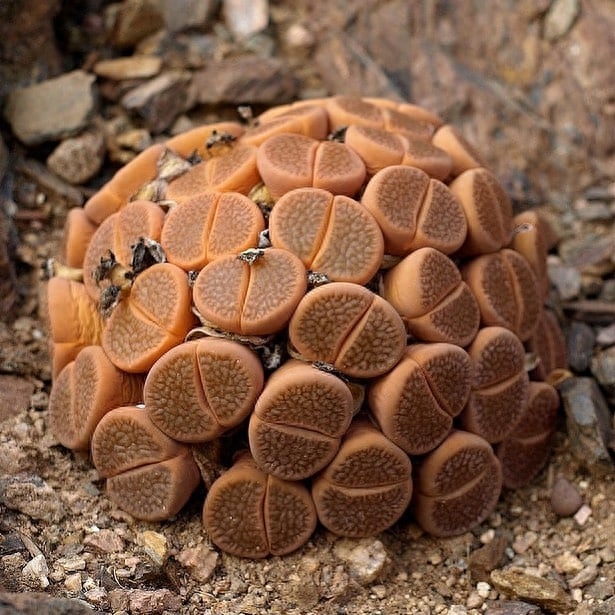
(325, 316)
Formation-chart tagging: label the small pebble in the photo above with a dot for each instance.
(566, 279)
(488, 536)
(153, 601)
(567, 563)
(72, 564)
(565, 498)
(155, 545)
(607, 555)
(365, 558)
(583, 514)
(200, 560)
(603, 369)
(559, 18)
(245, 17)
(474, 601)
(483, 589)
(577, 595)
(523, 543)
(97, 596)
(606, 336)
(78, 159)
(380, 591)
(37, 570)
(298, 35)
(487, 558)
(73, 583)
(105, 541)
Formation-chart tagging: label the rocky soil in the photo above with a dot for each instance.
(84, 86)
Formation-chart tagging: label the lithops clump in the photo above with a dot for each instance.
(329, 315)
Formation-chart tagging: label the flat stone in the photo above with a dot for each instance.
(518, 584)
(584, 577)
(580, 341)
(130, 67)
(512, 607)
(72, 563)
(364, 557)
(245, 80)
(600, 590)
(15, 394)
(78, 159)
(588, 421)
(105, 541)
(160, 100)
(52, 109)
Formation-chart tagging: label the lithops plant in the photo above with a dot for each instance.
(328, 314)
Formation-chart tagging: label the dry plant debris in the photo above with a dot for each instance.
(399, 381)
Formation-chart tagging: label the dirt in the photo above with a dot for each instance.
(533, 89)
